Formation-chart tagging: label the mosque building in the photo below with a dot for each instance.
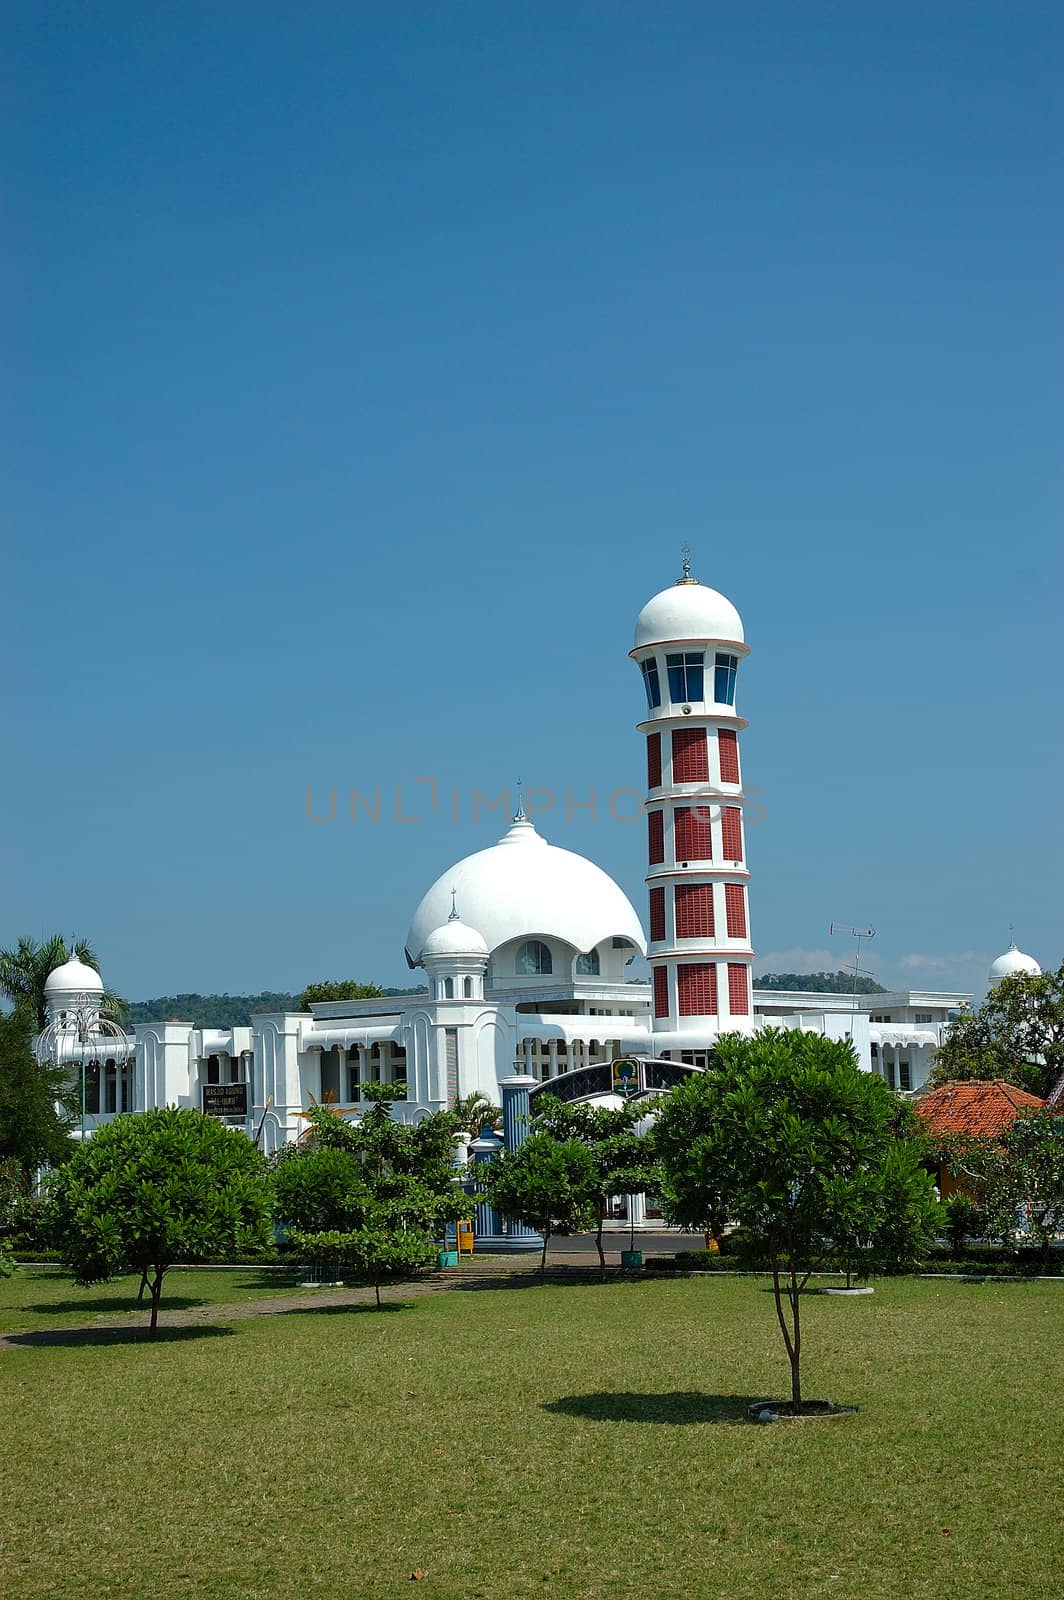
(525, 949)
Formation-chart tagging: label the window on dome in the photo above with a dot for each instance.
(448, 988)
(651, 683)
(467, 988)
(534, 959)
(724, 679)
(587, 964)
(685, 675)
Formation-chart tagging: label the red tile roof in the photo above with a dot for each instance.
(977, 1109)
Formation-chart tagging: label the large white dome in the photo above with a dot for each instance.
(72, 978)
(523, 887)
(688, 610)
(1012, 961)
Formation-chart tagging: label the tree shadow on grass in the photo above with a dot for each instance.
(115, 1302)
(677, 1407)
(140, 1334)
(359, 1307)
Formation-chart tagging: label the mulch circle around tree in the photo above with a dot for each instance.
(783, 1411)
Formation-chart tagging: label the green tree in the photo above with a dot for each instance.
(790, 1139)
(547, 1184)
(472, 1111)
(371, 1195)
(338, 989)
(1020, 1177)
(622, 1160)
(24, 973)
(155, 1188)
(35, 1099)
(1016, 1034)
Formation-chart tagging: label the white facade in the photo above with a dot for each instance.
(526, 948)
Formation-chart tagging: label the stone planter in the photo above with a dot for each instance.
(862, 1289)
(631, 1258)
(782, 1411)
(447, 1258)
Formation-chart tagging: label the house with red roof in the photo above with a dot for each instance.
(972, 1109)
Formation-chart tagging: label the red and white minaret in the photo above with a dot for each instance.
(689, 645)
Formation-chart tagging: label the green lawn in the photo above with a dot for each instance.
(48, 1299)
(567, 1440)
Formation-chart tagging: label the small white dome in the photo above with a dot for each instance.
(73, 977)
(688, 610)
(521, 888)
(454, 938)
(1012, 961)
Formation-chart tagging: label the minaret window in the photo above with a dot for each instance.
(690, 756)
(686, 671)
(731, 833)
(467, 988)
(694, 911)
(534, 959)
(728, 749)
(661, 991)
(738, 989)
(653, 760)
(693, 837)
(656, 837)
(448, 988)
(735, 905)
(696, 985)
(651, 683)
(587, 964)
(657, 914)
(724, 679)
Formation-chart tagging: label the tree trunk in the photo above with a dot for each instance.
(377, 1290)
(796, 1343)
(143, 1286)
(543, 1257)
(156, 1292)
(598, 1247)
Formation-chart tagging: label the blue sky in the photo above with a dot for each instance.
(368, 364)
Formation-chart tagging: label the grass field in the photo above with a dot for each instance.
(562, 1440)
(50, 1299)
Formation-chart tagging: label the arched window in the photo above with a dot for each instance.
(533, 958)
(448, 988)
(587, 964)
(467, 988)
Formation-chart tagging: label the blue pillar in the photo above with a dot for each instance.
(515, 1113)
(516, 1123)
(485, 1148)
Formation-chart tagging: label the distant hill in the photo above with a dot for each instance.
(215, 1010)
(819, 982)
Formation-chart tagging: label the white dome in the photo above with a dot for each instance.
(454, 938)
(73, 977)
(1012, 961)
(523, 887)
(688, 610)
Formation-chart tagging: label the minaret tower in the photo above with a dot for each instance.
(688, 644)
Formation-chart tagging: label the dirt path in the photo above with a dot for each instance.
(120, 1327)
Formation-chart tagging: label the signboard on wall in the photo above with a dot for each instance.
(225, 1099)
(625, 1076)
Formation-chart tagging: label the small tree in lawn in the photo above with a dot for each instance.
(621, 1158)
(155, 1188)
(548, 1184)
(794, 1143)
(370, 1195)
(1021, 1179)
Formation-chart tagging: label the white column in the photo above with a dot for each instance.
(552, 1052)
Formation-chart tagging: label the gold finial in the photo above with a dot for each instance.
(685, 551)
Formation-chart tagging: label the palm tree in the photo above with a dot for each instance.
(474, 1110)
(24, 973)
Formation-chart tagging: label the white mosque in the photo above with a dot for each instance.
(526, 948)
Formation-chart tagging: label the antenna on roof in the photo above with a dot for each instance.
(858, 934)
